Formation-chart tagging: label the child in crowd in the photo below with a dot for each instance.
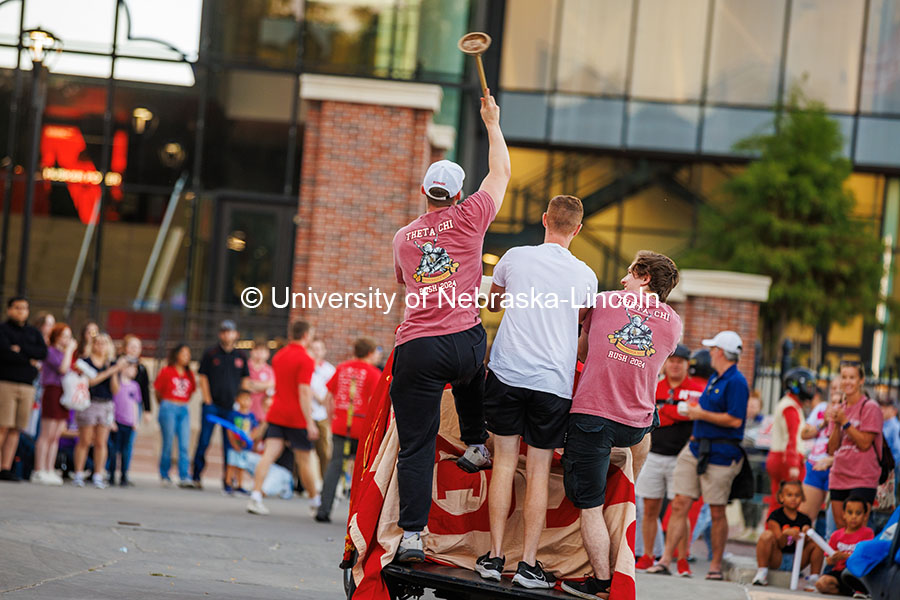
(844, 540)
(125, 407)
(777, 545)
(237, 459)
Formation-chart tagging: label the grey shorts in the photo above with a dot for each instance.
(98, 413)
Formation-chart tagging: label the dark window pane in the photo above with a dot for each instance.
(246, 135)
(156, 125)
(663, 126)
(256, 31)
(592, 121)
(524, 116)
(725, 126)
(877, 142)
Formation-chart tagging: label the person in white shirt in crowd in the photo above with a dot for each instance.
(321, 376)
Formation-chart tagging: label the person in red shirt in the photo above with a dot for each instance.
(290, 417)
(785, 462)
(655, 480)
(174, 385)
(844, 540)
(349, 392)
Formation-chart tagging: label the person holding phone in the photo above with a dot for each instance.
(856, 442)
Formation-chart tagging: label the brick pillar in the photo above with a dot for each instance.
(713, 301)
(365, 151)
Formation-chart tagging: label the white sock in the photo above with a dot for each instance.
(409, 534)
(79, 475)
(762, 572)
(256, 496)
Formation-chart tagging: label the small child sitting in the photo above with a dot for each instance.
(844, 540)
(777, 545)
(237, 461)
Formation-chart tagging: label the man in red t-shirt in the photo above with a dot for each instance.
(289, 418)
(349, 392)
(441, 340)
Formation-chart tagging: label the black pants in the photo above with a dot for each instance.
(119, 442)
(339, 453)
(422, 367)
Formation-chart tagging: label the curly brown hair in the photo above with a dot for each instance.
(661, 269)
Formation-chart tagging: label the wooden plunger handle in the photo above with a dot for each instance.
(480, 66)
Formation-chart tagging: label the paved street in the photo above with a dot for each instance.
(69, 543)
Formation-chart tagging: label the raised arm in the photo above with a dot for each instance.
(499, 169)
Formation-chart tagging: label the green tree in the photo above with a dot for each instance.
(788, 216)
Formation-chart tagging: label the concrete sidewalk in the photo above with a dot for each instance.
(147, 541)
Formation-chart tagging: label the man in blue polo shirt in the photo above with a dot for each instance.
(223, 371)
(710, 462)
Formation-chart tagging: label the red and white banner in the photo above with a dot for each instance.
(458, 527)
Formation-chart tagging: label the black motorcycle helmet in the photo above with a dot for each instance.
(801, 382)
(701, 364)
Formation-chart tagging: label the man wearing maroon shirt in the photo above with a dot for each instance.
(289, 418)
(655, 480)
(441, 340)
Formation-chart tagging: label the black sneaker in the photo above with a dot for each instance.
(322, 518)
(7, 475)
(534, 577)
(490, 568)
(125, 482)
(590, 588)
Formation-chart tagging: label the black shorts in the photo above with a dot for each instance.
(867, 494)
(541, 418)
(848, 583)
(296, 438)
(586, 459)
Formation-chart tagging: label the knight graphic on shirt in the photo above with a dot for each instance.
(435, 265)
(635, 337)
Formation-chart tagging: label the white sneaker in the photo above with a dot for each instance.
(37, 477)
(475, 459)
(760, 579)
(257, 507)
(52, 478)
(78, 480)
(99, 482)
(411, 549)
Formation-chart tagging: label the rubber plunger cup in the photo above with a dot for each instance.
(475, 44)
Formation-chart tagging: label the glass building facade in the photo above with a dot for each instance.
(634, 105)
(193, 108)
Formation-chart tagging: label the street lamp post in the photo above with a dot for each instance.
(39, 44)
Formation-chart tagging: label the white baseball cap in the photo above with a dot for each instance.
(446, 175)
(728, 341)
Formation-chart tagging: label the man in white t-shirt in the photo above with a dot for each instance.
(528, 393)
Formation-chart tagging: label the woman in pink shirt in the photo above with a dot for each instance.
(856, 442)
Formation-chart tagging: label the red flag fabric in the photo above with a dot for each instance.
(458, 528)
